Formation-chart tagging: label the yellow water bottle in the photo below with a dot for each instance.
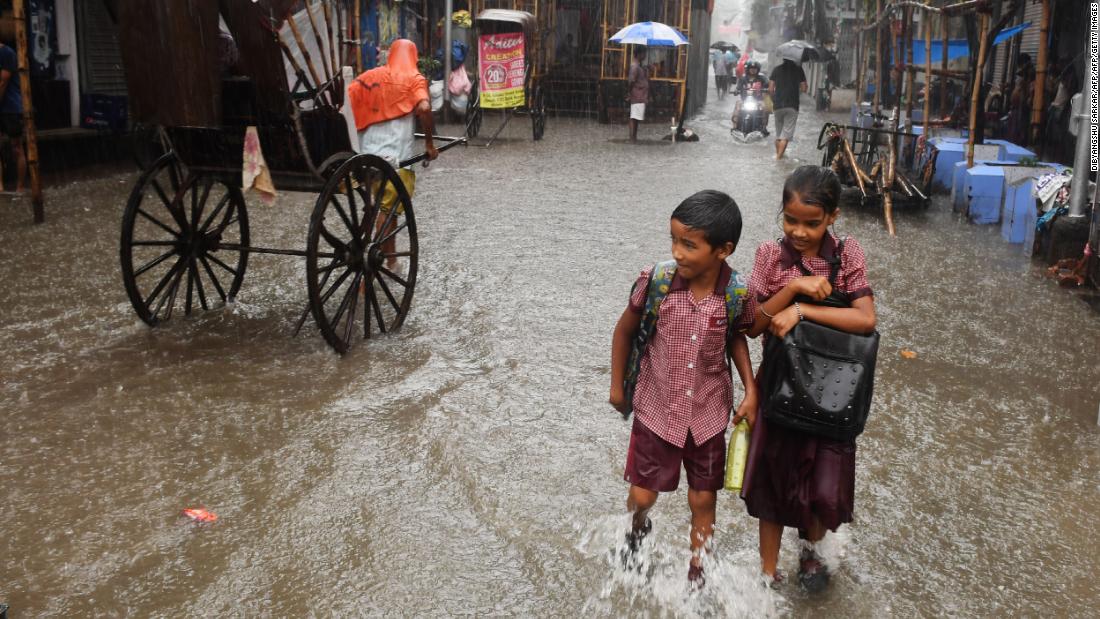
(737, 455)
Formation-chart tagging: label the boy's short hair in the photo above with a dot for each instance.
(713, 212)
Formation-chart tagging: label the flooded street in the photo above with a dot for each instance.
(469, 464)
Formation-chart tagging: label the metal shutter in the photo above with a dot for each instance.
(1029, 41)
(1000, 62)
(100, 61)
(847, 41)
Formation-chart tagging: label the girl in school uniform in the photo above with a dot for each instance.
(794, 479)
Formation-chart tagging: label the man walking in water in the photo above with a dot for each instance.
(787, 83)
(638, 91)
(387, 101)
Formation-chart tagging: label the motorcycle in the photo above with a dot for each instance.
(750, 123)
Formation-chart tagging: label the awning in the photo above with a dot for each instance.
(957, 48)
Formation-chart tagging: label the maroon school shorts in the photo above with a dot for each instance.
(654, 464)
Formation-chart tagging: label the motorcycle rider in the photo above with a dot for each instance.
(751, 83)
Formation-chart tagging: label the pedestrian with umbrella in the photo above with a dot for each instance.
(786, 84)
(648, 34)
(721, 72)
(731, 67)
(637, 85)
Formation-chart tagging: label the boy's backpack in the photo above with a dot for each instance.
(660, 279)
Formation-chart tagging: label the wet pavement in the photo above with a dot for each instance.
(469, 463)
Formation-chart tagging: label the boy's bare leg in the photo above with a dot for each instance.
(780, 148)
(633, 130)
(640, 501)
(771, 534)
(702, 504)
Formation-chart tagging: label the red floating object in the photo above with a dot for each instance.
(199, 514)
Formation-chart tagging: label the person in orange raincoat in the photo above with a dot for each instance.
(387, 101)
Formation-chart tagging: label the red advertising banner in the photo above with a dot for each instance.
(500, 65)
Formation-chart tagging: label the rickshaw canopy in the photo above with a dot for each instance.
(523, 18)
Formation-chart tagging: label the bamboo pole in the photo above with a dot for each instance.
(950, 73)
(293, 63)
(943, 67)
(909, 74)
(834, 165)
(357, 35)
(302, 48)
(962, 7)
(1038, 97)
(895, 81)
(887, 185)
(912, 186)
(319, 40)
(861, 57)
(31, 138)
(877, 101)
(927, 112)
(975, 94)
(343, 34)
(864, 65)
(448, 42)
(855, 166)
(328, 28)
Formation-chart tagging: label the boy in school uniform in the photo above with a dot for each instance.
(683, 394)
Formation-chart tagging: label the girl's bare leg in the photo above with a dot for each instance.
(771, 535)
(816, 531)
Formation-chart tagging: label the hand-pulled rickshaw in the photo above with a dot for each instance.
(511, 64)
(185, 235)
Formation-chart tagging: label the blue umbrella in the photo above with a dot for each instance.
(651, 33)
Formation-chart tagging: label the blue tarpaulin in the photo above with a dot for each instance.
(957, 48)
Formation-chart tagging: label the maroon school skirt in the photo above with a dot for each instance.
(792, 477)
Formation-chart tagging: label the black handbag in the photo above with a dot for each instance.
(818, 379)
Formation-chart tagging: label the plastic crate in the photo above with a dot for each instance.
(984, 194)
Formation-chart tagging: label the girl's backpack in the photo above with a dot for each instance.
(660, 279)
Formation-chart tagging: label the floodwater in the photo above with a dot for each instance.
(469, 464)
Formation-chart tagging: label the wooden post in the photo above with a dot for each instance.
(30, 145)
(927, 19)
(1038, 98)
(975, 95)
(944, 112)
